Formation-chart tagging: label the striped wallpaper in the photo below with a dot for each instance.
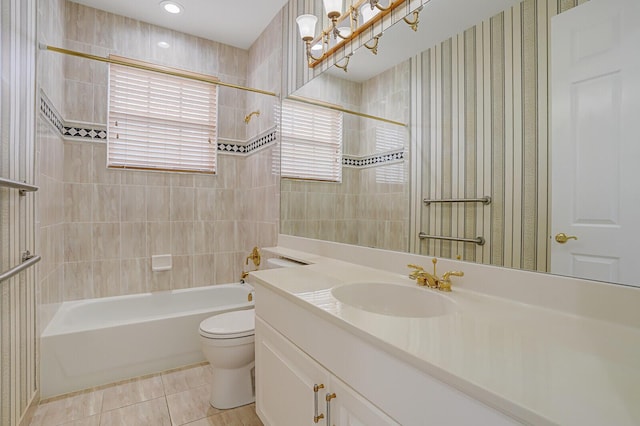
(483, 130)
(18, 333)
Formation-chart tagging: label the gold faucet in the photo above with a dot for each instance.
(424, 278)
(255, 257)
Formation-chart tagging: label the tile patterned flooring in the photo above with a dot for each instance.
(173, 398)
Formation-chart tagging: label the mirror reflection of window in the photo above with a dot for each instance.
(311, 142)
(390, 144)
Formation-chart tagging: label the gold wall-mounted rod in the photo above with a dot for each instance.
(158, 69)
(348, 111)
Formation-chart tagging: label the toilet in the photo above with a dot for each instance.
(228, 344)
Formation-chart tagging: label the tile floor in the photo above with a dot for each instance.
(173, 398)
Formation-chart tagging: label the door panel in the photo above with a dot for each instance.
(595, 74)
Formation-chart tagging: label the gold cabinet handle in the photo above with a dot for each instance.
(328, 398)
(563, 238)
(316, 416)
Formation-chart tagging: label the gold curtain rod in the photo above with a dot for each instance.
(348, 111)
(161, 70)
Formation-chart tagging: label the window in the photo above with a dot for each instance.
(161, 122)
(311, 138)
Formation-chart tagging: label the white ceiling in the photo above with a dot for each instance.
(233, 22)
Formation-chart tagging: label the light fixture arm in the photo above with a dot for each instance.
(374, 47)
(416, 19)
(376, 4)
(346, 63)
(310, 57)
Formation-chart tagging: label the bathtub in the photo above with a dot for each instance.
(98, 341)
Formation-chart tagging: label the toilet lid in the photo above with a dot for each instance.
(229, 325)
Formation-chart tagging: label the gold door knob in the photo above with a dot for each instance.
(563, 238)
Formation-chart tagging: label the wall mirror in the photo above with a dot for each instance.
(473, 85)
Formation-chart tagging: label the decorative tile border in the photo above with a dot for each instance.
(48, 110)
(84, 132)
(257, 143)
(98, 132)
(373, 160)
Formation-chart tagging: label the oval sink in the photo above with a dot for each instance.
(395, 300)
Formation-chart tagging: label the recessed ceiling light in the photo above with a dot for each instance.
(171, 7)
(164, 44)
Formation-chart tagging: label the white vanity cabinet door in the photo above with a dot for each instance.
(349, 408)
(285, 377)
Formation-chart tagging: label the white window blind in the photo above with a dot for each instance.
(311, 139)
(390, 140)
(161, 122)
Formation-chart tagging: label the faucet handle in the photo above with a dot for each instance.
(445, 282)
(416, 270)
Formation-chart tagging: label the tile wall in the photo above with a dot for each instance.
(50, 164)
(107, 224)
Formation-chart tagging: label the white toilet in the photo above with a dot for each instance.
(228, 344)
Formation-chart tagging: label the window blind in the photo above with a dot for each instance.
(390, 140)
(161, 122)
(311, 142)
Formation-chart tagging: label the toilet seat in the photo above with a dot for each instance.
(230, 325)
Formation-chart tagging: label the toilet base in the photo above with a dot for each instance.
(232, 388)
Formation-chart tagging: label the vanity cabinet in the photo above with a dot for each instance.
(298, 347)
(293, 389)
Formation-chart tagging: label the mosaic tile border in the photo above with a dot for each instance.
(373, 160)
(98, 133)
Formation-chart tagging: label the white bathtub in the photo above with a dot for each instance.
(98, 341)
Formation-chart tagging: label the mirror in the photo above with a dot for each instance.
(476, 95)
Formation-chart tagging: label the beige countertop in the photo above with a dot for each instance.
(539, 365)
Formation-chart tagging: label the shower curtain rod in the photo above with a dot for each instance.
(158, 69)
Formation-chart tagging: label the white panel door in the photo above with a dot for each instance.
(595, 141)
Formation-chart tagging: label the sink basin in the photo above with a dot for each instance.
(394, 300)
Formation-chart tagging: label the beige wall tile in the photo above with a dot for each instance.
(106, 278)
(133, 203)
(133, 275)
(203, 270)
(181, 272)
(78, 162)
(158, 238)
(106, 203)
(106, 241)
(134, 239)
(182, 238)
(77, 242)
(78, 281)
(204, 237)
(78, 202)
(158, 204)
(101, 174)
(182, 203)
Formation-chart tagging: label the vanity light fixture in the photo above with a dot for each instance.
(171, 7)
(345, 27)
(164, 44)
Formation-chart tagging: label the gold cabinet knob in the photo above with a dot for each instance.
(563, 238)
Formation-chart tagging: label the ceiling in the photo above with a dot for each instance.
(234, 22)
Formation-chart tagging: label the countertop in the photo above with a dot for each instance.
(539, 365)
